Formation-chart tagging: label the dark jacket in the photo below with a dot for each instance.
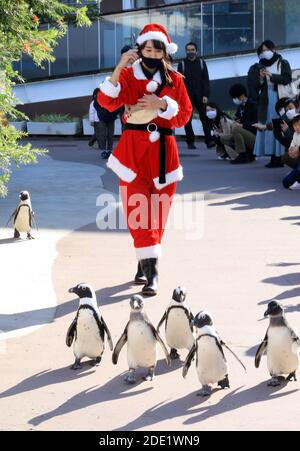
(104, 115)
(247, 115)
(259, 91)
(285, 138)
(196, 78)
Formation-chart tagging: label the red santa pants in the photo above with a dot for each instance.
(146, 209)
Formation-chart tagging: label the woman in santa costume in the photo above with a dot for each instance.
(146, 157)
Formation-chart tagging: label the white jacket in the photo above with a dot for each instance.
(296, 140)
(93, 116)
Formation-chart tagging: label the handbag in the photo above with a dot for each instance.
(291, 90)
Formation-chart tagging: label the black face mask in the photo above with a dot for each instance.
(191, 55)
(152, 63)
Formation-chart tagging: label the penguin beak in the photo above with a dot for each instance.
(267, 313)
(71, 290)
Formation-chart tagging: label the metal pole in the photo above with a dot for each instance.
(254, 24)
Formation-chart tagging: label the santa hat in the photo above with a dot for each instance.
(156, 32)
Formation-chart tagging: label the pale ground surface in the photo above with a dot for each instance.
(248, 255)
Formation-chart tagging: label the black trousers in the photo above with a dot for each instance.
(190, 135)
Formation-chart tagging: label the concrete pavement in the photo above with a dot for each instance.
(247, 256)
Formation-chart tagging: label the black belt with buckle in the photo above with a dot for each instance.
(152, 127)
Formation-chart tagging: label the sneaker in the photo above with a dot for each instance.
(295, 186)
(242, 158)
(191, 146)
(105, 154)
(210, 144)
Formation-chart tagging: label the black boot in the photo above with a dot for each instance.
(140, 278)
(149, 268)
(275, 162)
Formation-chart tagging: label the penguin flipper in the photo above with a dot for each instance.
(164, 348)
(110, 342)
(121, 342)
(161, 321)
(189, 360)
(71, 333)
(261, 349)
(13, 216)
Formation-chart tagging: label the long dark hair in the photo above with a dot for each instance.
(166, 68)
(220, 113)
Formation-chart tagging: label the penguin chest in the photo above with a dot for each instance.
(283, 355)
(178, 331)
(88, 342)
(141, 345)
(22, 222)
(211, 366)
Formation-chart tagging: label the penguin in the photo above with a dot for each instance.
(88, 328)
(211, 363)
(142, 338)
(178, 323)
(282, 345)
(23, 216)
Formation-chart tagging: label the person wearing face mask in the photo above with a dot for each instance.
(282, 126)
(292, 159)
(263, 80)
(197, 83)
(221, 131)
(146, 158)
(243, 132)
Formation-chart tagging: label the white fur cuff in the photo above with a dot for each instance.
(171, 177)
(109, 89)
(148, 252)
(172, 109)
(125, 174)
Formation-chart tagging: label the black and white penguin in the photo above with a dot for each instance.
(23, 216)
(142, 338)
(178, 323)
(282, 345)
(211, 363)
(88, 328)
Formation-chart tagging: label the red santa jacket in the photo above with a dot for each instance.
(126, 158)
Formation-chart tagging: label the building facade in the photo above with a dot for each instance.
(224, 30)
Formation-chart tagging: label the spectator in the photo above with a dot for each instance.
(282, 126)
(292, 180)
(197, 83)
(104, 124)
(220, 126)
(243, 132)
(263, 80)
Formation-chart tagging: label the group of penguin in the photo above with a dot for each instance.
(182, 331)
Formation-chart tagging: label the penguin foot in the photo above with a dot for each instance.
(29, 237)
(291, 377)
(16, 234)
(77, 365)
(96, 362)
(274, 382)
(150, 375)
(205, 391)
(130, 378)
(224, 383)
(174, 354)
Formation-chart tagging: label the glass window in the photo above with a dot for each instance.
(60, 65)
(83, 48)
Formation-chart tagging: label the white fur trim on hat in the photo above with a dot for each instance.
(172, 109)
(152, 86)
(125, 174)
(109, 89)
(171, 177)
(171, 47)
(148, 252)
